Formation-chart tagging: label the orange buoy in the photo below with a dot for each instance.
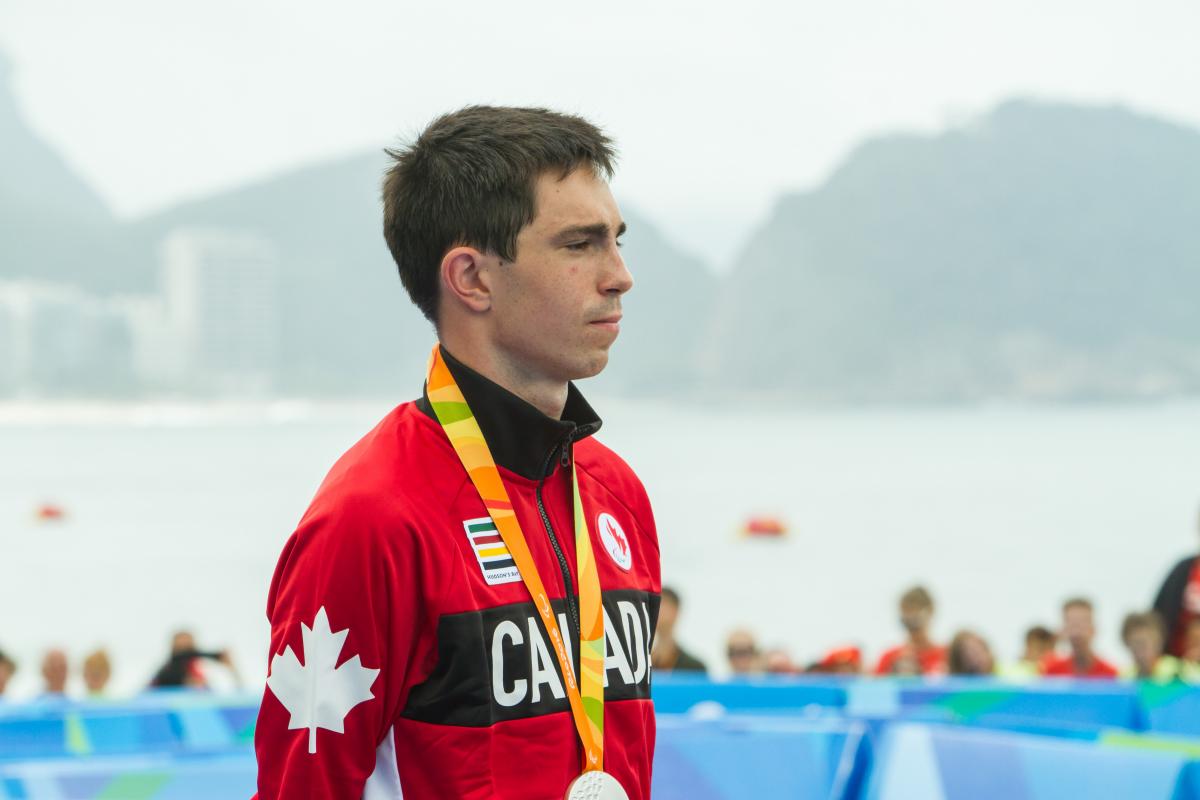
(50, 512)
(764, 527)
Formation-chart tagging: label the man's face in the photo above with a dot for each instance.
(54, 670)
(556, 306)
(915, 618)
(1077, 627)
(667, 613)
(1145, 645)
(742, 652)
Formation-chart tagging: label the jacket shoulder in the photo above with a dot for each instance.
(603, 465)
(607, 469)
(389, 476)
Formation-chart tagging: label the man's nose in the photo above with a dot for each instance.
(617, 278)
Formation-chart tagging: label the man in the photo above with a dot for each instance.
(97, 671)
(918, 655)
(55, 671)
(667, 654)
(1178, 603)
(409, 656)
(1078, 630)
(741, 648)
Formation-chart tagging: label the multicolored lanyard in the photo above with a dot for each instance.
(586, 697)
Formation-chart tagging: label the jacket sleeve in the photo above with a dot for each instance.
(345, 611)
(1169, 601)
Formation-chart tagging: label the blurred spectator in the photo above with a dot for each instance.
(1079, 630)
(742, 650)
(1178, 603)
(918, 655)
(7, 668)
(970, 655)
(1143, 635)
(96, 672)
(777, 661)
(1191, 643)
(1040, 642)
(182, 667)
(838, 661)
(54, 672)
(667, 653)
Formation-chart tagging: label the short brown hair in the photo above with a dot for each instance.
(916, 597)
(468, 179)
(1041, 634)
(1078, 602)
(1148, 619)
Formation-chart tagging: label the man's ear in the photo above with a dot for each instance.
(465, 279)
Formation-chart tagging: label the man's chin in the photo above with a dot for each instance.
(591, 368)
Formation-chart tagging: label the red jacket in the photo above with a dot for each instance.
(1064, 666)
(394, 569)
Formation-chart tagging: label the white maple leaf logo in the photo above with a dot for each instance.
(319, 694)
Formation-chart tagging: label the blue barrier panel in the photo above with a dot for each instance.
(170, 725)
(1171, 708)
(1189, 782)
(1100, 703)
(131, 778)
(935, 762)
(764, 758)
(676, 694)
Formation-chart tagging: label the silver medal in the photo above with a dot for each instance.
(596, 785)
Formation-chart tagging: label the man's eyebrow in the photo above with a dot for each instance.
(598, 230)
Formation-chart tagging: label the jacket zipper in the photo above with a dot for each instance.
(568, 584)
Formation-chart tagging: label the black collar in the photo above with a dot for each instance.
(522, 439)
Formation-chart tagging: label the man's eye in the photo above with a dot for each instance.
(578, 246)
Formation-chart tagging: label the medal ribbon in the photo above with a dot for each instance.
(587, 696)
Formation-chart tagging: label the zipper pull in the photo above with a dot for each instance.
(566, 455)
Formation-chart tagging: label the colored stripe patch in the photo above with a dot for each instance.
(495, 562)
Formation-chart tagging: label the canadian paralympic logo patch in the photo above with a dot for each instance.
(615, 541)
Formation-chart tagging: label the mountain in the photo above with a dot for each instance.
(1042, 252)
(348, 326)
(52, 225)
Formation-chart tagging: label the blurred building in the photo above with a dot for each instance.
(221, 293)
(58, 339)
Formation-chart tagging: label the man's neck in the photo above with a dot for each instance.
(544, 394)
(919, 639)
(1083, 657)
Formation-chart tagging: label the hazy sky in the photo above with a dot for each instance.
(717, 107)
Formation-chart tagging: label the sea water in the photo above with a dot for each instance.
(175, 516)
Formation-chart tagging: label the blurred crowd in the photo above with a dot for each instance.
(183, 667)
(1066, 650)
(1163, 642)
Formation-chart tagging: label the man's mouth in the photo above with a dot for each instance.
(611, 322)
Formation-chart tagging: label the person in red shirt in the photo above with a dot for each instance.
(918, 655)
(408, 655)
(1079, 629)
(1178, 603)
